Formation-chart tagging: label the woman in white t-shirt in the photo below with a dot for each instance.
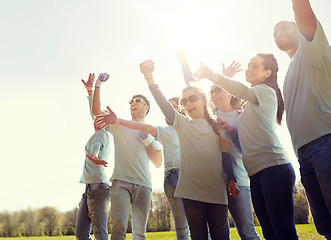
(204, 159)
(272, 177)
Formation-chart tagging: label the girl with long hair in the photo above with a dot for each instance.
(272, 177)
(205, 158)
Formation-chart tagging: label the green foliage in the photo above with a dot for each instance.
(48, 221)
(300, 205)
(305, 232)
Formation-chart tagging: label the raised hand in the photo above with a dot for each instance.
(231, 70)
(89, 84)
(103, 77)
(96, 160)
(203, 72)
(233, 189)
(147, 67)
(104, 120)
(181, 55)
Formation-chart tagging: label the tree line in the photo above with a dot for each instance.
(48, 221)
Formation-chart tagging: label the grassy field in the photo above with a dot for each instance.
(305, 232)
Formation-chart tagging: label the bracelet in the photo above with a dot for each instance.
(96, 87)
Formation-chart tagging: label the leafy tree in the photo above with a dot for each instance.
(48, 220)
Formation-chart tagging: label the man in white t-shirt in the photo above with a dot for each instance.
(307, 95)
(131, 179)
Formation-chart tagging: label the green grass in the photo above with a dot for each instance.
(305, 232)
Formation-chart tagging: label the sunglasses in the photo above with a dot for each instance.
(137, 100)
(216, 90)
(193, 98)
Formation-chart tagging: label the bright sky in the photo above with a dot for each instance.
(48, 46)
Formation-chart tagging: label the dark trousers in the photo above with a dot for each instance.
(272, 197)
(315, 170)
(199, 214)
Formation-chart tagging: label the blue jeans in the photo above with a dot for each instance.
(123, 195)
(176, 204)
(272, 195)
(315, 170)
(200, 215)
(93, 211)
(241, 211)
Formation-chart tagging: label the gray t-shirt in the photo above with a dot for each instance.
(98, 144)
(168, 137)
(307, 90)
(201, 172)
(238, 166)
(131, 158)
(261, 147)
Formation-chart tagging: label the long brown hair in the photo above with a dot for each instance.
(270, 63)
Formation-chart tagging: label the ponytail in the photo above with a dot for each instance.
(225, 144)
(270, 63)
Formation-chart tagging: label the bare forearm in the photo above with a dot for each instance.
(156, 156)
(304, 18)
(138, 126)
(96, 106)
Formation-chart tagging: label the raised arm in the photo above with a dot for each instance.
(188, 76)
(305, 18)
(89, 87)
(147, 69)
(96, 105)
(233, 87)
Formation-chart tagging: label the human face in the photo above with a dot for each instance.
(193, 103)
(286, 36)
(256, 73)
(138, 107)
(219, 96)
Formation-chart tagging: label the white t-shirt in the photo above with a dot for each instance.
(99, 144)
(168, 137)
(261, 147)
(131, 158)
(307, 90)
(201, 172)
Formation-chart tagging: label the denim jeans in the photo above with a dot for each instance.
(93, 211)
(176, 204)
(241, 211)
(315, 170)
(272, 195)
(123, 195)
(200, 215)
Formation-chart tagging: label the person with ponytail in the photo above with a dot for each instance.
(272, 176)
(204, 160)
(227, 108)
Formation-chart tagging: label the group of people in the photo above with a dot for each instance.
(223, 154)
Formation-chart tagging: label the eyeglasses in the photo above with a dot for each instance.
(193, 98)
(216, 90)
(137, 100)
